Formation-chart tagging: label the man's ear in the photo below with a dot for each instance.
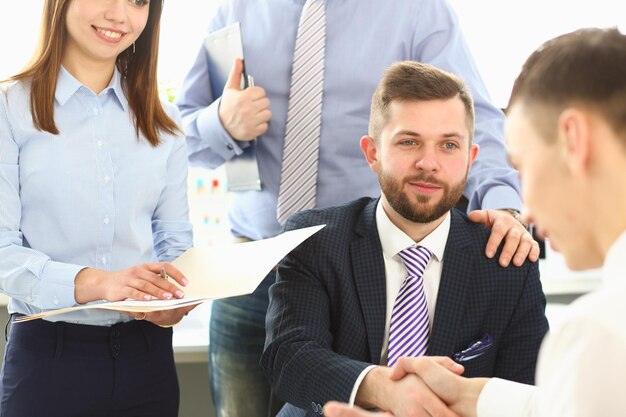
(473, 153)
(574, 132)
(368, 146)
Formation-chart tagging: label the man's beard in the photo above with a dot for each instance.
(419, 212)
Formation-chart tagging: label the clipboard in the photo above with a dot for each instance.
(223, 46)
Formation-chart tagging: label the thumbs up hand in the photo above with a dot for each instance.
(245, 113)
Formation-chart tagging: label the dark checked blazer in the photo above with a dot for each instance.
(326, 318)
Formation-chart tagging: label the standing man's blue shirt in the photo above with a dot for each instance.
(96, 195)
(386, 31)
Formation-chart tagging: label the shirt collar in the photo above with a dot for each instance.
(613, 269)
(67, 86)
(393, 240)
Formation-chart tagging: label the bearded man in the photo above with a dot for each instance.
(402, 275)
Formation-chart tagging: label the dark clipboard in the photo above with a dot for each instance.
(223, 46)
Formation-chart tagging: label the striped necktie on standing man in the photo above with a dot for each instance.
(298, 178)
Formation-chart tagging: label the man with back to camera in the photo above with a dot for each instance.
(403, 275)
(566, 130)
(359, 41)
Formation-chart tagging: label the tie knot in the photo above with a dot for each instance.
(415, 259)
(308, 3)
(315, 8)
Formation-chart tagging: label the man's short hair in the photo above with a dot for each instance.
(585, 68)
(414, 81)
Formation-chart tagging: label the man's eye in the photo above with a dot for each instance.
(450, 145)
(139, 2)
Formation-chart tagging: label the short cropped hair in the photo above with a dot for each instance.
(415, 81)
(585, 68)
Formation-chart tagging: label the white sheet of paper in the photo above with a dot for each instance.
(213, 272)
(236, 269)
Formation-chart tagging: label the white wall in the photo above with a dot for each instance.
(501, 45)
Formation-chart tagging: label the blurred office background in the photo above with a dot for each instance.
(501, 35)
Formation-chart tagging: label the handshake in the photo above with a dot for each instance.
(427, 386)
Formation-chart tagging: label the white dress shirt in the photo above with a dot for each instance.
(394, 240)
(582, 363)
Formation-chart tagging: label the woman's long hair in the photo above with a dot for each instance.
(137, 64)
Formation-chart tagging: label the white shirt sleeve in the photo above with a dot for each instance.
(581, 370)
(357, 383)
(505, 398)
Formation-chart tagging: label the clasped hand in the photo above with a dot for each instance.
(420, 387)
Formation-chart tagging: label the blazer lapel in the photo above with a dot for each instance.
(451, 297)
(368, 270)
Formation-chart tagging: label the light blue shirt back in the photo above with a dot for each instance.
(96, 195)
(363, 38)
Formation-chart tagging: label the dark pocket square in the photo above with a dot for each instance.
(474, 350)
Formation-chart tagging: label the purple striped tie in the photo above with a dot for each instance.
(408, 331)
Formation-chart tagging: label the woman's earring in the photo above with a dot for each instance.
(133, 47)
